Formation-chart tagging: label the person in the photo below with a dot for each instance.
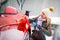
(43, 25)
(40, 19)
(46, 24)
(37, 32)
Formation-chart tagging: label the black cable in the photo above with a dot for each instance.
(18, 2)
(22, 2)
(2, 3)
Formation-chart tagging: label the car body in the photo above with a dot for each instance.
(12, 19)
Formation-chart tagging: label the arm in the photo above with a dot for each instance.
(47, 31)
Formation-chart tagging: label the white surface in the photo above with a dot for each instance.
(48, 38)
(12, 34)
(55, 20)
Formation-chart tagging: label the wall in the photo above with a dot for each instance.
(36, 6)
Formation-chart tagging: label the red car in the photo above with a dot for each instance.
(12, 19)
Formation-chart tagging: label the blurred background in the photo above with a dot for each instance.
(35, 7)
